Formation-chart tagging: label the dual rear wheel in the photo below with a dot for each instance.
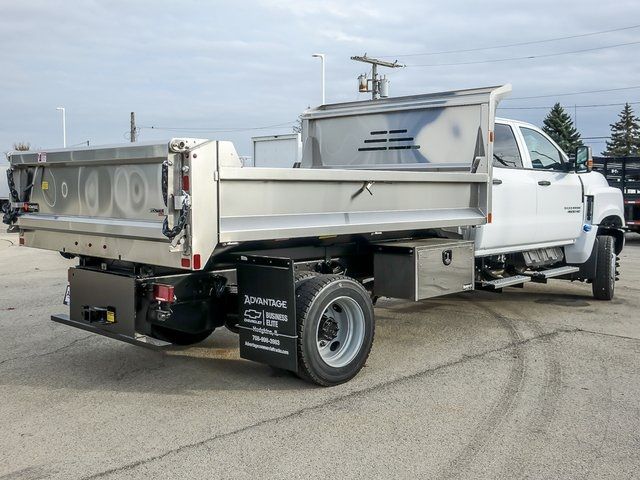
(336, 327)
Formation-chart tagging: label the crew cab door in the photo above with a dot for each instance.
(559, 192)
(514, 191)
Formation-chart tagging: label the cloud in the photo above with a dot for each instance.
(199, 64)
(339, 36)
(329, 8)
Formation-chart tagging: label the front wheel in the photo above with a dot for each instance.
(605, 280)
(336, 327)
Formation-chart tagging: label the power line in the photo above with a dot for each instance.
(572, 93)
(570, 106)
(220, 130)
(528, 57)
(519, 44)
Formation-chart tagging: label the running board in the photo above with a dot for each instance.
(544, 275)
(500, 283)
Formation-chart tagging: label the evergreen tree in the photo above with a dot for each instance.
(625, 135)
(559, 126)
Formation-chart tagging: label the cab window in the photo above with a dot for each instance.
(505, 148)
(542, 152)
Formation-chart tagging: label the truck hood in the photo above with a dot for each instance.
(594, 180)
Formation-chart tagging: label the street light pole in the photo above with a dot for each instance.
(64, 127)
(321, 57)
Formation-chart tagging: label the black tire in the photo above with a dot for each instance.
(231, 323)
(303, 275)
(313, 297)
(178, 337)
(605, 280)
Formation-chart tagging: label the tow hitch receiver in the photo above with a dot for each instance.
(101, 315)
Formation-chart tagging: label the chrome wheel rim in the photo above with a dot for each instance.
(340, 332)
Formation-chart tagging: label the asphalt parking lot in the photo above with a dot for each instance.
(540, 382)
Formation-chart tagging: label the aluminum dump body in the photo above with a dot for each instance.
(111, 202)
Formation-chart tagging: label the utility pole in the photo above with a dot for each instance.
(133, 131)
(379, 85)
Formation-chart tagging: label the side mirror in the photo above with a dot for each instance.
(583, 159)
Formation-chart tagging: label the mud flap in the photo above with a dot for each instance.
(266, 296)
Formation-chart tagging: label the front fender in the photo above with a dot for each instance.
(608, 204)
(607, 218)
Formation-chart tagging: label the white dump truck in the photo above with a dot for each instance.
(412, 197)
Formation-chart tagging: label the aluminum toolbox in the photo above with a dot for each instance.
(421, 269)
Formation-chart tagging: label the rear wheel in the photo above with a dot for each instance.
(302, 276)
(605, 280)
(336, 327)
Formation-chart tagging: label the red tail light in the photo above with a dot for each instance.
(185, 183)
(163, 293)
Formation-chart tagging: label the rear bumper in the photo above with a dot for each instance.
(137, 339)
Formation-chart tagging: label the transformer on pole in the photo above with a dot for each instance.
(377, 85)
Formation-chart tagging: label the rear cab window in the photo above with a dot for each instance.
(505, 148)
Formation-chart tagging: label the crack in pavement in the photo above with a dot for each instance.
(36, 355)
(348, 396)
(592, 332)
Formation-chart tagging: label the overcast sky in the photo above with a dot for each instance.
(242, 64)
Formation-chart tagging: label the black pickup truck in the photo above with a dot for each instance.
(624, 173)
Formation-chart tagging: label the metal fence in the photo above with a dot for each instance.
(623, 173)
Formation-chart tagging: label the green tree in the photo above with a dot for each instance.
(625, 135)
(559, 126)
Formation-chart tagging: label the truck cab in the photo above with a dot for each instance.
(545, 209)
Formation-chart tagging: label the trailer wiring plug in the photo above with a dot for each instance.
(171, 233)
